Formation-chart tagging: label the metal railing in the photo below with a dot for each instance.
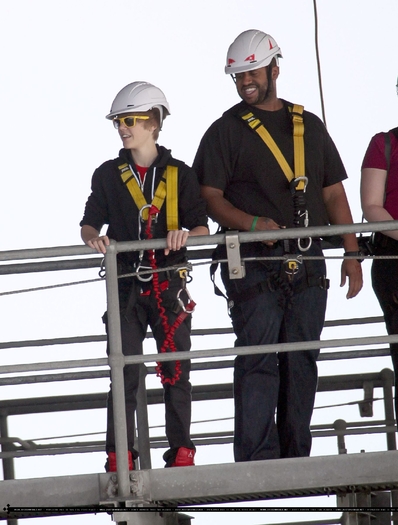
(117, 360)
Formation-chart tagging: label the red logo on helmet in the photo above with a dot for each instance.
(250, 58)
(270, 44)
(230, 61)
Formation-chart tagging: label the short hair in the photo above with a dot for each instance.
(154, 120)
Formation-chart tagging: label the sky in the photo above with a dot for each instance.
(61, 65)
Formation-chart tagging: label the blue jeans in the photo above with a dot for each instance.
(274, 393)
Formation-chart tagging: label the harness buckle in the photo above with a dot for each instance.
(292, 266)
(183, 272)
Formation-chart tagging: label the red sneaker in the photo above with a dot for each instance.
(110, 465)
(184, 458)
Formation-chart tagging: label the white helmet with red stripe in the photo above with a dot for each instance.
(250, 50)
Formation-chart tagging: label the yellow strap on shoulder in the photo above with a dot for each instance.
(167, 189)
(135, 191)
(298, 144)
(256, 124)
(172, 197)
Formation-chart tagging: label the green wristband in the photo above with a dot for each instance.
(254, 223)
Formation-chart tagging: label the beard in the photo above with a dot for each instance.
(263, 93)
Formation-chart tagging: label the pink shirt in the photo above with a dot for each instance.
(375, 158)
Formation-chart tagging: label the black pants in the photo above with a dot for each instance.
(281, 383)
(137, 312)
(385, 286)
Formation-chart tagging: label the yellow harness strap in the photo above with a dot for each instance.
(167, 189)
(298, 144)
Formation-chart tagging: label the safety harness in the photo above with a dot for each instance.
(298, 184)
(297, 179)
(167, 190)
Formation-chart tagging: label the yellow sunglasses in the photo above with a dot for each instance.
(129, 121)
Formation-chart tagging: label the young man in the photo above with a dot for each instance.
(126, 195)
(255, 176)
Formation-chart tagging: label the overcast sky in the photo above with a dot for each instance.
(63, 62)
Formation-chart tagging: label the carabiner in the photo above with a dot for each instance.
(141, 213)
(141, 267)
(295, 182)
(143, 279)
(102, 272)
(304, 248)
(181, 303)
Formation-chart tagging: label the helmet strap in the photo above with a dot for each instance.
(269, 80)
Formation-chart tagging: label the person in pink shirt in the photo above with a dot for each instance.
(379, 199)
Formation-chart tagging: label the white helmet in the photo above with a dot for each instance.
(139, 97)
(250, 50)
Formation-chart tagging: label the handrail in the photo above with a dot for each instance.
(117, 360)
(200, 354)
(205, 240)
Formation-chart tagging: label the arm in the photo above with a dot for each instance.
(92, 238)
(225, 213)
(373, 184)
(339, 212)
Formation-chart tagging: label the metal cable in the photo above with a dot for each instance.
(319, 63)
(213, 261)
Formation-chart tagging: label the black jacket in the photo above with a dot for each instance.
(110, 203)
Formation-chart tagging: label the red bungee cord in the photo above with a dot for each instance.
(168, 330)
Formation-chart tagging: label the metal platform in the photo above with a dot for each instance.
(187, 488)
(205, 485)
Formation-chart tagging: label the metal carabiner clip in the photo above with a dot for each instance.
(304, 248)
(181, 303)
(295, 182)
(308, 239)
(146, 278)
(141, 213)
(102, 271)
(140, 267)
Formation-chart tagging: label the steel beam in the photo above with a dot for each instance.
(212, 484)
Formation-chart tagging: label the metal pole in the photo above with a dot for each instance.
(116, 363)
(142, 422)
(387, 377)
(8, 463)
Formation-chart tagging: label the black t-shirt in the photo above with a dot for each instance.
(233, 158)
